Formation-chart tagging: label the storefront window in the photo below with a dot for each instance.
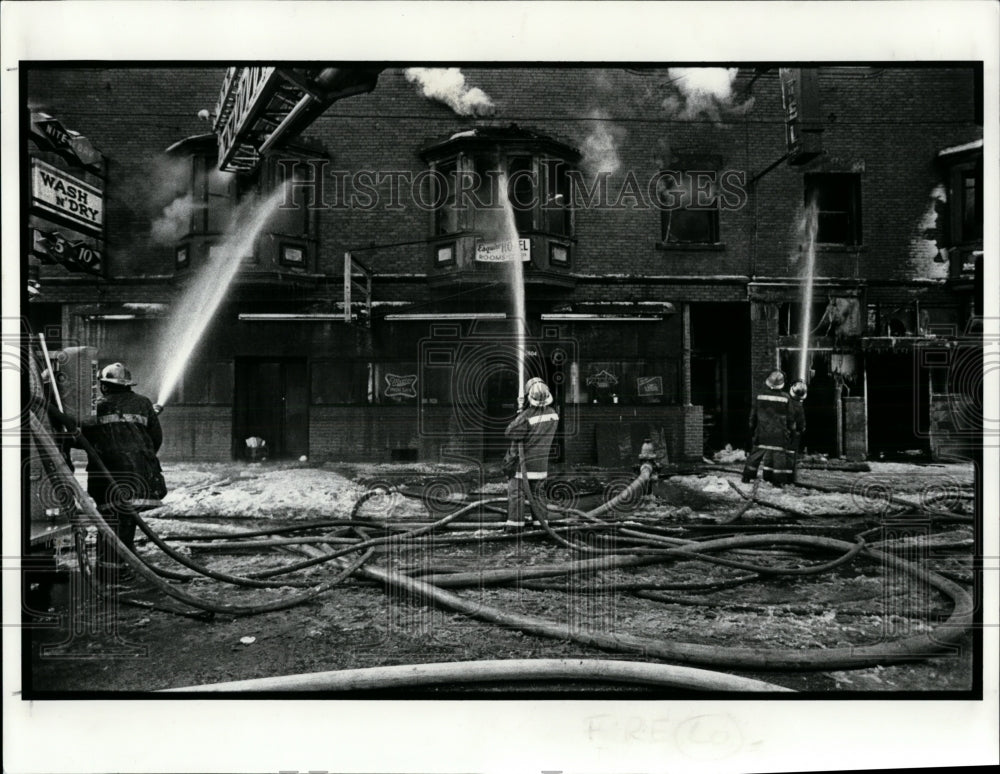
(339, 382)
(626, 382)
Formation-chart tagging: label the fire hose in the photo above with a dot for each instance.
(414, 675)
(909, 648)
(94, 517)
(905, 649)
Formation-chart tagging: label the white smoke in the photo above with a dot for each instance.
(600, 148)
(174, 222)
(703, 92)
(925, 255)
(447, 85)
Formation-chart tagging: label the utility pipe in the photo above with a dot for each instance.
(465, 672)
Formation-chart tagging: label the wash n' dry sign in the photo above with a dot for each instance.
(503, 250)
(54, 192)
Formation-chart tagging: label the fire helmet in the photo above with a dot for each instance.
(775, 380)
(798, 390)
(116, 373)
(537, 392)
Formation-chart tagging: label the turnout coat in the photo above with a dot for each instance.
(772, 423)
(535, 428)
(126, 434)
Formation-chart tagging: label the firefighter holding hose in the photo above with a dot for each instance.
(530, 433)
(125, 433)
(797, 423)
(770, 427)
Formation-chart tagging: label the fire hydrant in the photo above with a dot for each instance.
(649, 456)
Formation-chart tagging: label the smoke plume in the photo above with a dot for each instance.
(600, 148)
(174, 222)
(447, 85)
(702, 92)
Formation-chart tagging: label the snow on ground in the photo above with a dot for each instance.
(258, 491)
(295, 490)
(862, 492)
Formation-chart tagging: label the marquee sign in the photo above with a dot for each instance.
(51, 134)
(57, 193)
(259, 107)
(245, 93)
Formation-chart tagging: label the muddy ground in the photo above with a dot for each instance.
(89, 644)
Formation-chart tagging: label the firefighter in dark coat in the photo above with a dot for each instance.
(125, 433)
(797, 419)
(770, 428)
(532, 431)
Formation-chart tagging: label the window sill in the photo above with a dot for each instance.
(680, 247)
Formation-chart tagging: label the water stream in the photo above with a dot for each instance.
(515, 276)
(192, 313)
(811, 225)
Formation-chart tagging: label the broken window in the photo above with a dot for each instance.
(689, 208)
(838, 201)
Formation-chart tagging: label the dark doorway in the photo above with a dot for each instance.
(896, 411)
(720, 372)
(271, 402)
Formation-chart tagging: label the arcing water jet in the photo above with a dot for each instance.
(516, 279)
(811, 225)
(195, 310)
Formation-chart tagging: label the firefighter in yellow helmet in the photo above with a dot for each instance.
(530, 434)
(125, 433)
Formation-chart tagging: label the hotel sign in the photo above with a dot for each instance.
(54, 192)
(503, 251)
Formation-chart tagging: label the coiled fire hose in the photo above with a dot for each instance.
(905, 649)
(94, 517)
(909, 648)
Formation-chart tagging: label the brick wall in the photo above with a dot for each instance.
(196, 433)
(884, 124)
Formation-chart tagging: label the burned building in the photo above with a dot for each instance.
(666, 221)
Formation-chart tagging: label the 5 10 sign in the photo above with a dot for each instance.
(74, 255)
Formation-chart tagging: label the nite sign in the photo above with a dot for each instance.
(54, 192)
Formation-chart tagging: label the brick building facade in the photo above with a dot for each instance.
(649, 310)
